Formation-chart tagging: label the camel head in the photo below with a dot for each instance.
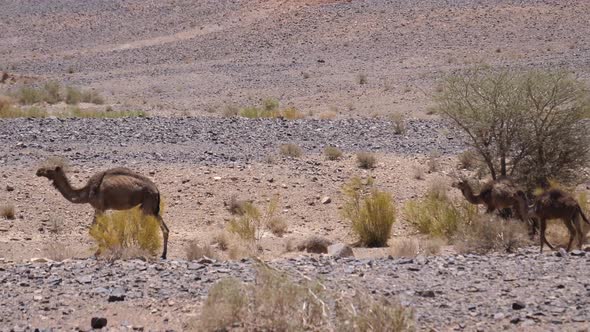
(49, 171)
(460, 184)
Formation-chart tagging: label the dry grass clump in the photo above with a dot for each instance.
(366, 160)
(269, 109)
(437, 215)
(418, 172)
(52, 93)
(399, 123)
(76, 112)
(126, 230)
(195, 251)
(371, 212)
(5, 102)
(489, 233)
(8, 110)
(290, 150)
(251, 225)
(332, 153)
(222, 240)
(404, 248)
(58, 251)
(7, 211)
(327, 115)
(276, 302)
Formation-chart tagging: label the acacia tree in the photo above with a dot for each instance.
(526, 124)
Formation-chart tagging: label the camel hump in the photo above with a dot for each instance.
(118, 174)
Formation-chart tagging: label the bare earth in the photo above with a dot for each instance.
(177, 59)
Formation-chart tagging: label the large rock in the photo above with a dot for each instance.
(315, 244)
(340, 250)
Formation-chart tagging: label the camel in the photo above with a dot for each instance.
(113, 189)
(498, 194)
(557, 204)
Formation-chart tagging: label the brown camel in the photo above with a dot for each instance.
(557, 204)
(113, 189)
(498, 194)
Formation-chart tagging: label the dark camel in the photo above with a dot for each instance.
(557, 204)
(113, 189)
(498, 194)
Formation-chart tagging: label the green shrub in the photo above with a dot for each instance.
(291, 150)
(332, 153)
(366, 160)
(437, 215)
(29, 96)
(77, 112)
(51, 93)
(126, 229)
(73, 96)
(371, 212)
(17, 112)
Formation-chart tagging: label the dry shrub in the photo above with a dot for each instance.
(126, 229)
(332, 153)
(418, 172)
(17, 112)
(368, 313)
(431, 247)
(371, 212)
(276, 302)
(239, 249)
(490, 233)
(437, 215)
(366, 160)
(362, 79)
(7, 211)
(195, 251)
(222, 240)
(292, 113)
(468, 160)
(29, 95)
(404, 248)
(251, 225)
(231, 111)
(235, 206)
(399, 123)
(290, 150)
(433, 162)
(58, 251)
(5, 103)
(314, 244)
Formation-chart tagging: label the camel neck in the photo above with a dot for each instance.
(470, 196)
(62, 184)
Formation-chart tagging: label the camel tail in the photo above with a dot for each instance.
(157, 208)
(583, 215)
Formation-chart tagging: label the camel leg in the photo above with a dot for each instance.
(579, 231)
(543, 227)
(165, 232)
(572, 230)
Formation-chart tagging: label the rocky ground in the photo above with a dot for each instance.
(180, 56)
(525, 291)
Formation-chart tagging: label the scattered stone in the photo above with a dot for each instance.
(326, 200)
(577, 253)
(84, 279)
(9, 188)
(98, 322)
(340, 250)
(518, 305)
(561, 253)
(427, 293)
